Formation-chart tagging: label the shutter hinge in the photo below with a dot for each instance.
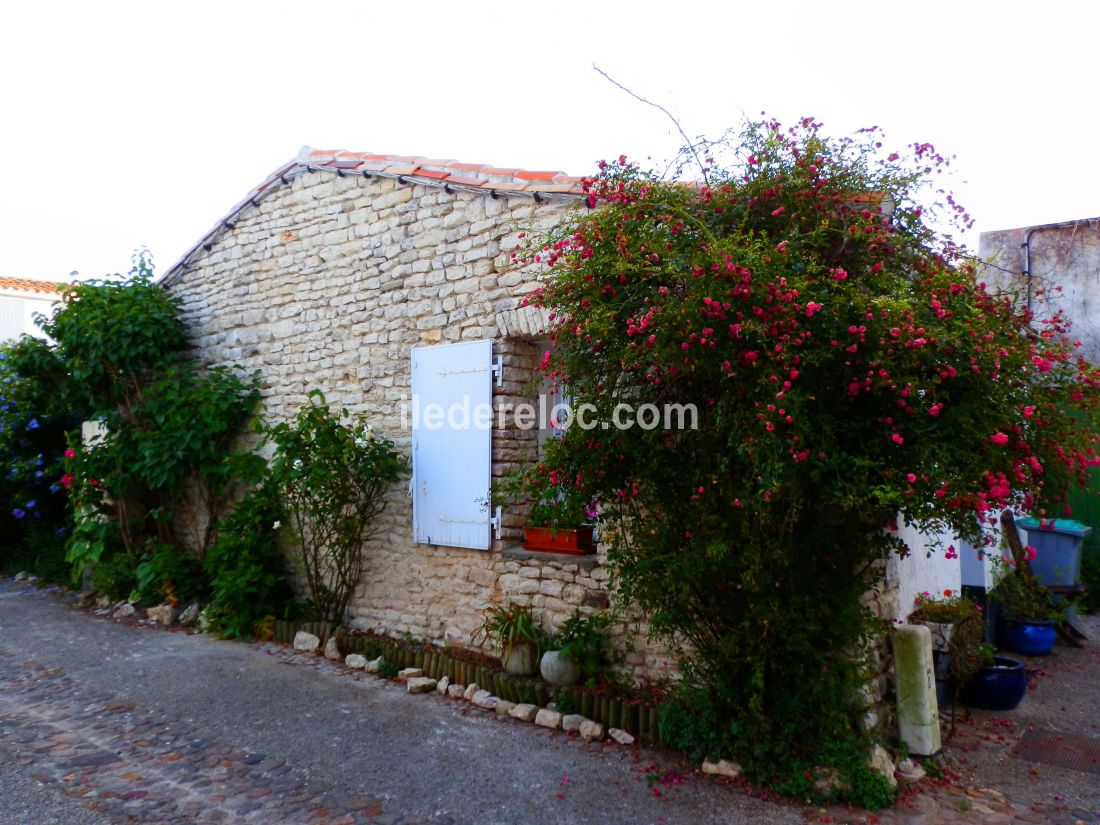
(495, 522)
(498, 370)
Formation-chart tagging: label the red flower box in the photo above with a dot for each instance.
(574, 541)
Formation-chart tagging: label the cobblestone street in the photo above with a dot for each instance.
(106, 723)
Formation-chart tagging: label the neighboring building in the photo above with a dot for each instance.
(1029, 262)
(1033, 260)
(20, 300)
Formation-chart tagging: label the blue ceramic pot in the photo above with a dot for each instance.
(1031, 638)
(999, 686)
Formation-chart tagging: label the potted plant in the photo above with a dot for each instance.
(958, 629)
(560, 513)
(1029, 615)
(579, 648)
(999, 684)
(514, 629)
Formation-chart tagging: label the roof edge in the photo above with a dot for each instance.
(449, 175)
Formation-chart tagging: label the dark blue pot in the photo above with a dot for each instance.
(1031, 638)
(999, 686)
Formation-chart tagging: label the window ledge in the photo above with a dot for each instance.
(518, 553)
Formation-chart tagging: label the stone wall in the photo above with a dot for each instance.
(1055, 266)
(329, 282)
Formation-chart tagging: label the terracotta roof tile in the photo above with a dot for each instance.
(547, 176)
(467, 167)
(462, 180)
(31, 285)
(471, 175)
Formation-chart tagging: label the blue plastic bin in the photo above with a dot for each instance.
(1057, 549)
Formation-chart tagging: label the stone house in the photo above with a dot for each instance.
(381, 278)
(389, 283)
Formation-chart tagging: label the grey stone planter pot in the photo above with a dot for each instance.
(521, 659)
(557, 669)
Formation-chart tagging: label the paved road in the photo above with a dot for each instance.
(108, 723)
(104, 723)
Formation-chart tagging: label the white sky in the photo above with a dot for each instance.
(129, 124)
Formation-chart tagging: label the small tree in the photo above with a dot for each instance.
(332, 477)
(846, 365)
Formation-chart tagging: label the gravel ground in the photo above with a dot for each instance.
(104, 723)
(25, 801)
(1063, 699)
(420, 757)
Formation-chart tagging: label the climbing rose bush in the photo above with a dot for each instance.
(848, 365)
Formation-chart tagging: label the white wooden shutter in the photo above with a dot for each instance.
(452, 451)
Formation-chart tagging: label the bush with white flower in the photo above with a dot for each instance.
(331, 473)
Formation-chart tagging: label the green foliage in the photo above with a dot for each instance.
(696, 722)
(551, 500)
(168, 431)
(1090, 578)
(245, 567)
(844, 363)
(332, 478)
(582, 638)
(388, 669)
(38, 550)
(508, 625)
(1022, 596)
(33, 423)
(168, 574)
(966, 648)
(109, 332)
(565, 702)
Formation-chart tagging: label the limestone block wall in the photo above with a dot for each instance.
(329, 282)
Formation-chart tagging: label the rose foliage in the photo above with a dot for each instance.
(847, 365)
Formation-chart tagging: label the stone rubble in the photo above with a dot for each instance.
(162, 614)
(547, 718)
(484, 699)
(591, 731)
(332, 649)
(306, 642)
(722, 767)
(524, 712)
(620, 736)
(420, 684)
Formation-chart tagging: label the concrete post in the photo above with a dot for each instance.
(918, 713)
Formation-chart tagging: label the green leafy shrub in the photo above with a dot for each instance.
(331, 474)
(388, 669)
(168, 574)
(245, 567)
(168, 433)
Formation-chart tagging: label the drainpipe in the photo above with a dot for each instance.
(1027, 247)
